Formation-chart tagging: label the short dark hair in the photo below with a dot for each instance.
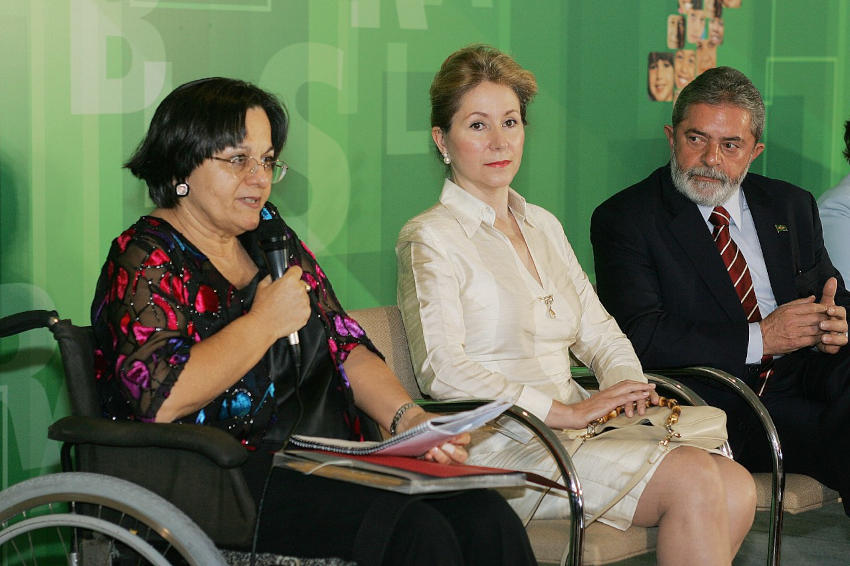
(722, 85)
(193, 122)
(847, 141)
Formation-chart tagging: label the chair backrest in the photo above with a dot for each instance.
(384, 327)
(76, 344)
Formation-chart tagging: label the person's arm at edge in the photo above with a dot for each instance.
(834, 208)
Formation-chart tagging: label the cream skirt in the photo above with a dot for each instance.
(604, 469)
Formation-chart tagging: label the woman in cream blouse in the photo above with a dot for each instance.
(494, 300)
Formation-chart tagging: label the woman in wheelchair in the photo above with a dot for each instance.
(191, 328)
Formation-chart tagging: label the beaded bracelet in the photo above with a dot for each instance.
(397, 417)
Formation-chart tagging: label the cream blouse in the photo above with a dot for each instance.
(478, 323)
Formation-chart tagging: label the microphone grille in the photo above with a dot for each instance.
(271, 225)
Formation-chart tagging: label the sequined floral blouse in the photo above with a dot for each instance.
(158, 295)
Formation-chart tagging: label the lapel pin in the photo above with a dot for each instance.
(780, 228)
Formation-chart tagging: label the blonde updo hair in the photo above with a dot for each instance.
(467, 68)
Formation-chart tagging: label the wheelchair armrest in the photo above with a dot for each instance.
(224, 450)
(556, 449)
(27, 320)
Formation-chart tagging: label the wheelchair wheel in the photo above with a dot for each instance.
(83, 519)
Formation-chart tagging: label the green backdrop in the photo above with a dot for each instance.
(79, 80)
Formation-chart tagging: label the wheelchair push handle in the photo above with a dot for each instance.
(27, 320)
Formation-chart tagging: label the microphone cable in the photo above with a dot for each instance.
(289, 433)
(275, 243)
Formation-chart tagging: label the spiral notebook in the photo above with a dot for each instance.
(414, 442)
(394, 464)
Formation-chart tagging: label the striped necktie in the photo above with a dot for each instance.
(739, 273)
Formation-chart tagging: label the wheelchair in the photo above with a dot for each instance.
(85, 518)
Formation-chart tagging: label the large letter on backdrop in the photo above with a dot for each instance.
(94, 25)
(313, 152)
(28, 409)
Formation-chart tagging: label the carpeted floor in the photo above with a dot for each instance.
(244, 559)
(816, 538)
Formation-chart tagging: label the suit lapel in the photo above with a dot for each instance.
(688, 229)
(774, 229)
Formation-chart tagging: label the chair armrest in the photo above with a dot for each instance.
(739, 388)
(224, 450)
(744, 392)
(559, 454)
(672, 388)
(669, 387)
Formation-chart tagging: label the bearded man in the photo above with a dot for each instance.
(703, 263)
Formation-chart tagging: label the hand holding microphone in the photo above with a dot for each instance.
(275, 243)
(283, 304)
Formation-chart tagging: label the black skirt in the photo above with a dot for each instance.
(312, 517)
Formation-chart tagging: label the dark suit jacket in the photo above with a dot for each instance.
(658, 271)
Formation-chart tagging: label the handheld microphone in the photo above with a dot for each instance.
(274, 242)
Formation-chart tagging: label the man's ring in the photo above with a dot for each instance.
(308, 289)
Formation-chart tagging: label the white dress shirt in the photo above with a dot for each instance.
(834, 207)
(743, 231)
(478, 322)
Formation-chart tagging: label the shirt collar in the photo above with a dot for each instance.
(734, 205)
(471, 211)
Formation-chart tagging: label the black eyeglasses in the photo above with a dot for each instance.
(241, 167)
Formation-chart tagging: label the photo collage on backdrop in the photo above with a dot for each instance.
(693, 36)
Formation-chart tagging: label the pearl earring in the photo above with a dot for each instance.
(446, 159)
(182, 189)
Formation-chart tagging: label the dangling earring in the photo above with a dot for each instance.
(446, 159)
(182, 189)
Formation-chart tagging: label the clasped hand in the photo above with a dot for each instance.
(804, 323)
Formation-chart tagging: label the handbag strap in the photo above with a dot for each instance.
(672, 419)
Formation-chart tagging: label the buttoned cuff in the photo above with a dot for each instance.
(755, 346)
(535, 402)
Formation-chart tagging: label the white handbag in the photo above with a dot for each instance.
(668, 424)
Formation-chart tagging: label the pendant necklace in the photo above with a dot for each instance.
(547, 300)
